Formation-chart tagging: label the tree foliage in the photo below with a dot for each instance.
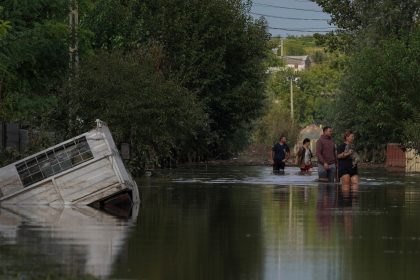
(412, 132)
(4, 24)
(211, 57)
(274, 123)
(380, 91)
(33, 59)
(157, 115)
(214, 48)
(210, 67)
(319, 87)
(368, 21)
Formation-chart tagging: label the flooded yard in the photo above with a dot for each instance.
(226, 222)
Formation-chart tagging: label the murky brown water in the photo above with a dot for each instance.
(226, 223)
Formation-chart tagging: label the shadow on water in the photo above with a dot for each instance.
(40, 242)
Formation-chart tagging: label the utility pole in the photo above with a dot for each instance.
(73, 36)
(281, 47)
(291, 100)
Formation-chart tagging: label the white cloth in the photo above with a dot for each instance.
(307, 159)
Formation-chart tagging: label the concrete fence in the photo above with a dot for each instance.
(12, 136)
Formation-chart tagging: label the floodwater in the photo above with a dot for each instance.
(226, 223)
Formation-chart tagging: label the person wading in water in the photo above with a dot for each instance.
(325, 152)
(347, 160)
(280, 154)
(304, 156)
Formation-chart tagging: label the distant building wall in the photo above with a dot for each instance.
(297, 62)
(397, 157)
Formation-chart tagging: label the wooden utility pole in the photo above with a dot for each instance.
(73, 36)
(281, 47)
(291, 100)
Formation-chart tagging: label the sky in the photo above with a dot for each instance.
(292, 17)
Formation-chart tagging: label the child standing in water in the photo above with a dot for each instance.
(304, 156)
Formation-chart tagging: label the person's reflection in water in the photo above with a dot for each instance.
(347, 200)
(349, 194)
(332, 197)
(325, 203)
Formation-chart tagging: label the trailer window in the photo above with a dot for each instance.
(54, 161)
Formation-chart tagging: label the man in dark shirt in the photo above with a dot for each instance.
(326, 155)
(279, 154)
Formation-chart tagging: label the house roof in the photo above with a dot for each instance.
(290, 59)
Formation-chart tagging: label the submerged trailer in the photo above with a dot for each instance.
(84, 170)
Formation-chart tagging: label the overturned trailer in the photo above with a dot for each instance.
(84, 170)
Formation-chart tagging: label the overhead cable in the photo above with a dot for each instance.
(287, 8)
(301, 30)
(293, 18)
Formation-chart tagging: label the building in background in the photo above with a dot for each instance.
(297, 63)
(399, 158)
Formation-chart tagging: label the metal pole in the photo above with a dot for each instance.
(291, 100)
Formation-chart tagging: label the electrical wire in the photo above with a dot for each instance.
(287, 8)
(314, 30)
(292, 18)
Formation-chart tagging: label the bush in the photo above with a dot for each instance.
(157, 116)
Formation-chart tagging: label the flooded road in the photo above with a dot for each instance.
(226, 223)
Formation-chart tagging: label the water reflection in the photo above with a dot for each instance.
(303, 230)
(229, 223)
(39, 242)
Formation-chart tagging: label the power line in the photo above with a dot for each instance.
(287, 8)
(293, 18)
(301, 30)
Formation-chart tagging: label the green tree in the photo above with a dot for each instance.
(4, 24)
(319, 87)
(294, 46)
(156, 115)
(380, 82)
(214, 48)
(275, 122)
(33, 59)
(368, 21)
(380, 93)
(412, 132)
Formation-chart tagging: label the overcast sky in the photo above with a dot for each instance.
(292, 17)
